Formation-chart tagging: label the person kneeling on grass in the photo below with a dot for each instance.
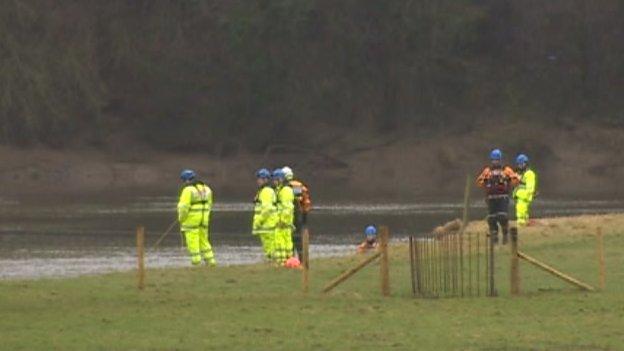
(371, 239)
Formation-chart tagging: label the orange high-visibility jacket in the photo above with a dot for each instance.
(499, 180)
(302, 195)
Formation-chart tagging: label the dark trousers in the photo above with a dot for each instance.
(301, 220)
(498, 214)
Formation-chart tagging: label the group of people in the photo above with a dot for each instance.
(502, 182)
(282, 203)
(281, 206)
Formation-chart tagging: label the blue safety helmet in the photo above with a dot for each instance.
(278, 174)
(187, 174)
(263, 173)
(370, 230)
(496, 155)
(522, 159)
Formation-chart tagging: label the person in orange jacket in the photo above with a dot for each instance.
(498, 181)
(303, 206)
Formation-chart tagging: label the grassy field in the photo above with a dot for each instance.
(261, 308)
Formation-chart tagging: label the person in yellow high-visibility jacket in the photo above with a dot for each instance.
(286, 217)
(265, 213)
(194, 209)
(525, 191)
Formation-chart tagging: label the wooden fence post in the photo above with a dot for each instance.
(491, 267)
(412, 264)
(306, 260)
(515, 264)
(140, 242)
(384, 269)
(463, 230)
(601, 258)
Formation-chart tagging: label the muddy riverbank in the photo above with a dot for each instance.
(350, 168)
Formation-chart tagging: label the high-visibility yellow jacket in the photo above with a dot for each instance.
(265, 211)
(528, 185)
(194, 206)
(285, 206)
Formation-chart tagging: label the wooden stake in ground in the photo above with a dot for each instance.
(470, 264)
(491, 272)
(601, 258)
(555, 272)
(412, 264)
(140, 257)
(384, 270)
(478, 264)
(463, 229)
(305, 260)
(419, 279)
(515, 264)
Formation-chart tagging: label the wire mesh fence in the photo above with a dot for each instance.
(452, 264)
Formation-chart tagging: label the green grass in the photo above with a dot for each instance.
(261, 308)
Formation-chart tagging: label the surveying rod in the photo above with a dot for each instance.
(164, 234)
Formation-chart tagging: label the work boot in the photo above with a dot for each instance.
(211, 262)
(505, 238)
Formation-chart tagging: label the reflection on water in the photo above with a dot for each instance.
(44, 239)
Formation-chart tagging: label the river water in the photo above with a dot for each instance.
(69, 237)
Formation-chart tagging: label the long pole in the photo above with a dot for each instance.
(181, 240)
(163, 235)
(344, 276)
(515, 264)
(555, 272)
(601, 258)
(140, 242)
(306, 260)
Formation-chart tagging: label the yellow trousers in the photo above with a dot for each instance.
(522, 212)
(268, 244)
(283, 244)
(199, 246)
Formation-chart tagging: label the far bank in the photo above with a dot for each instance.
(583, 161)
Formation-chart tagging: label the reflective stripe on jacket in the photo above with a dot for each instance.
(194, 206)
(498, 181)
(528, 185)
(286, 206)
(265, 211)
